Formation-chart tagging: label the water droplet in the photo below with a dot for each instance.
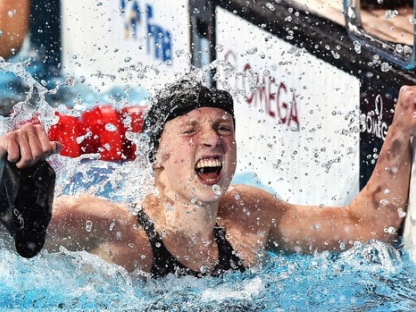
(357, 47)
(384, 202)
(70, 81)
(351, 13)
(270, 6)
(169, 207)
(290, 34)
(402, 213)
(180, 52)
(391, 13)
(399, 48)
(335, 55)
(88, 226)
(252, 51)
(216, 189)
(385, 67)
(110, 127)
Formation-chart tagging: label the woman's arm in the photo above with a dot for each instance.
(377, 212)
(101, 227)
(86, 222)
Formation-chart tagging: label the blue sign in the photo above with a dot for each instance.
(158, 39)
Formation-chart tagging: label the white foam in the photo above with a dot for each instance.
(244, 291)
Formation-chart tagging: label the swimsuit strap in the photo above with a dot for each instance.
(164, 262)
(228, 260)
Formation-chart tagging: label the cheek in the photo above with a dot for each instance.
(232, 147)
(164, 153)
(165, 156)
(176, 152)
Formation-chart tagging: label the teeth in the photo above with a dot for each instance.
(204, 163)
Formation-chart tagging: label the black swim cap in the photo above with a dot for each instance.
(176, 100)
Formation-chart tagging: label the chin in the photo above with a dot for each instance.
(209, 196)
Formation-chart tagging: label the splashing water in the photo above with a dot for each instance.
(24, 111)
(83, 171)
(371, 277)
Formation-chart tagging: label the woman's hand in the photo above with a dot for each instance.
(405, 113)
(28, 145)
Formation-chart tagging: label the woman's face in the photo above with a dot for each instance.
(196, 159)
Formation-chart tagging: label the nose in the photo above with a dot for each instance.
(211, 137)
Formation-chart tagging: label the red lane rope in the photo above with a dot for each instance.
(101, 129)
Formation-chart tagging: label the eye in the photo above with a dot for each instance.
(189, 130)
(225, 129)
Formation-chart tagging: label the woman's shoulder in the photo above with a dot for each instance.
(249, 199)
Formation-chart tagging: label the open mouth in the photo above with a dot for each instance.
(208, 170)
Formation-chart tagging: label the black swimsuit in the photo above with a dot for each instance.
(164, 262)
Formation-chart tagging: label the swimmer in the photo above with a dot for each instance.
(197, 223)
(14, 24)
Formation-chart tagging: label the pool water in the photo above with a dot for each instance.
(370, 277)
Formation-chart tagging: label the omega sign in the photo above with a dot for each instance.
(372, 122)
(265, 91)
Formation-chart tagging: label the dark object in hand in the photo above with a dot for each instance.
(26, 197)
